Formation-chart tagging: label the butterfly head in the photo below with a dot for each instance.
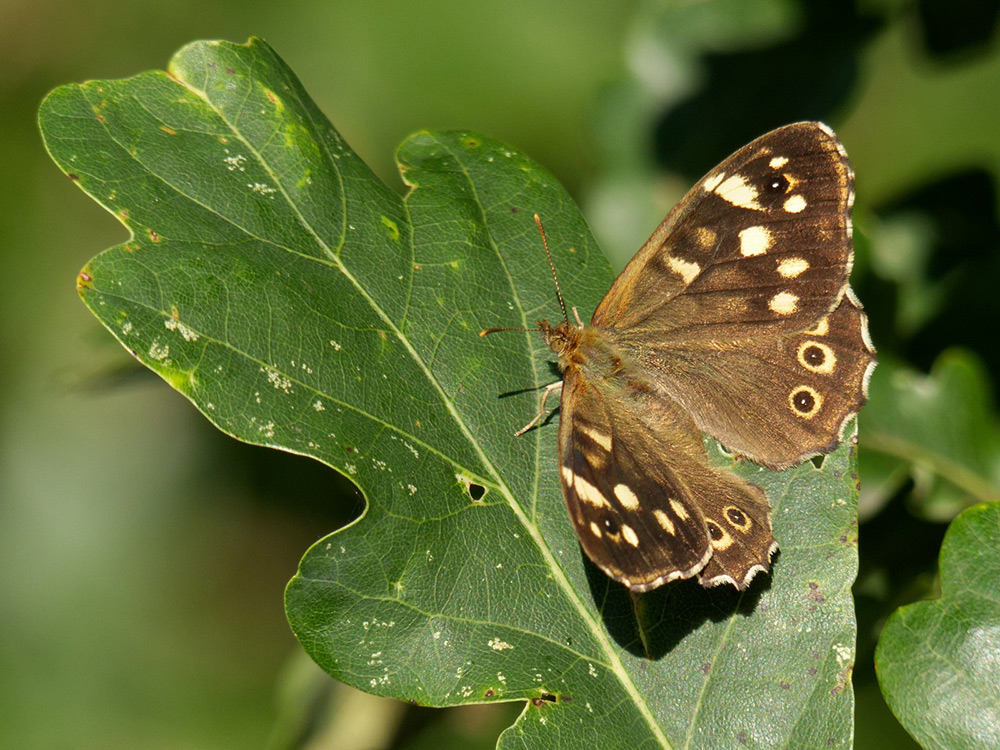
(563, 339)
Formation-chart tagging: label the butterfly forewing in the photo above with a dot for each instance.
(761, 243)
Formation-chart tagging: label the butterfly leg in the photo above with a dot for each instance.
(541, 407)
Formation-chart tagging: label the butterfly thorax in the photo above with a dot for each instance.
(590, 352)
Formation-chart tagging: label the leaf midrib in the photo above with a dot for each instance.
(598, 632)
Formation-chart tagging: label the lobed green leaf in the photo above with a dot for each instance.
(938, 662)
(299, 303)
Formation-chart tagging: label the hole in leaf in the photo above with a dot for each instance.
(474, 489)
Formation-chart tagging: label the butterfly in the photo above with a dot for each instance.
(735, 319)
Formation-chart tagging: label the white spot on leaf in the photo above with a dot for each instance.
(173, 324)
(279, 381)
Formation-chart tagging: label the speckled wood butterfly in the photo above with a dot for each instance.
(734, 319)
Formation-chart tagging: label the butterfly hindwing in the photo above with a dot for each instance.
(782, 399)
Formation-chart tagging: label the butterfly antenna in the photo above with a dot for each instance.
(518, 330)
(552, 265)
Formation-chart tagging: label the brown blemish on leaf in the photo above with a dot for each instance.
(814, 592)
(83, 281)
(843, 679)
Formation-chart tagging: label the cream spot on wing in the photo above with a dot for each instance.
(711, 183)
(680, 510)
(721, 539)
(626, 496)
(664, 520)
(567, 475)
(822, 328)
(778, 162)
(736, 190)
(784, 303)
(705, 237)
(792, 267)
(795, 203)
(598, 437)
(630, 536)
(589, 493)
(595, 529)
(755, 241)
(685, 269)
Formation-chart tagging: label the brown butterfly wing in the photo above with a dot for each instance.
(738, 305)
(782, 199)
(647, 505)
(781, 399)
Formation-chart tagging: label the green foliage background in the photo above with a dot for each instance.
(144, 555)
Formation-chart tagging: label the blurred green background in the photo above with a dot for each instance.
(143, 556)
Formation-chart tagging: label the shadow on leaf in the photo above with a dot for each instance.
(650, 625)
